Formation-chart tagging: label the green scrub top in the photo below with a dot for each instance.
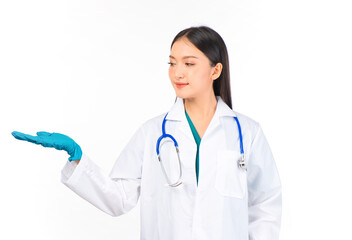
(197, 139)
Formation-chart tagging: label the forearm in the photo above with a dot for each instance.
(113, 196)
(264, 211)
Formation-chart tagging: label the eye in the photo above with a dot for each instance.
(171, 64)
(189, 64)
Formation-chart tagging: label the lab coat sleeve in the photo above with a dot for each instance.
(117, 193)
(264, 191)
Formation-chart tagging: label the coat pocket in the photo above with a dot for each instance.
(231, 180)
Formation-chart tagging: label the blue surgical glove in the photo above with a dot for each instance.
(56, 140)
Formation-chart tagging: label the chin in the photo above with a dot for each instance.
(182, 95)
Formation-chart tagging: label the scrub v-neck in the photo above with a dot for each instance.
(197, 139)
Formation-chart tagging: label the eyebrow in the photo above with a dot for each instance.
(183, 57)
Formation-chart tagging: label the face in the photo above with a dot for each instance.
(190, 71)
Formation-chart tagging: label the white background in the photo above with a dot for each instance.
(96, 70)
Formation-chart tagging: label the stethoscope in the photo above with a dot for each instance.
(240, 163)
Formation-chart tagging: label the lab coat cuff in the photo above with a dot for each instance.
(72, 171)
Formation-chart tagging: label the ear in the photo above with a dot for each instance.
(216, 71)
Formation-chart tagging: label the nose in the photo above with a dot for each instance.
(179, 73)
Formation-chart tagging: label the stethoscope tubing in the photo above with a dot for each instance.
(241, 162)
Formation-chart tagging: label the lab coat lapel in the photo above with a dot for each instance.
(177, 113)
(222, 110)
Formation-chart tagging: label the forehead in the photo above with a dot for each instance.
(184, 48)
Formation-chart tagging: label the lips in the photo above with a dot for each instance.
(181, 85)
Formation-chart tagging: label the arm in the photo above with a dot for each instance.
(114, 197)
(264, 191)
(117, 193)
(83, 176)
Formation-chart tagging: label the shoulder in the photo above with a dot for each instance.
(249, 126)
(247, 121)
(153, 123)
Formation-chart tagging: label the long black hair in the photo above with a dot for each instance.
(213, 46)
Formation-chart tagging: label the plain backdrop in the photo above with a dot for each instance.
(97, 70)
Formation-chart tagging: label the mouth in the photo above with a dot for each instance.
(181, 85)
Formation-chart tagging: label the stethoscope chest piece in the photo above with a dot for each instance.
(241, 163)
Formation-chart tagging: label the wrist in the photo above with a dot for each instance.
(77, 153)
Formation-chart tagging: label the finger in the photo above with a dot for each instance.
(19, 135)
(15, 134)
(26, 137)
(42, 133)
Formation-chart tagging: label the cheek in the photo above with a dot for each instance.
(171, 72)
(201, 78)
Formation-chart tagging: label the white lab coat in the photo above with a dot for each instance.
(228, 203)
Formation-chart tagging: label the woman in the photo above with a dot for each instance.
(208, 195)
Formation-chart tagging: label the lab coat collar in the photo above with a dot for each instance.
(177, 111)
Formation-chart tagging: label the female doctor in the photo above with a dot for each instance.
(202, 170)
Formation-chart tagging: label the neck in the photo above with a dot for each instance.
(201, 107)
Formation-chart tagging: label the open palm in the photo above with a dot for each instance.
(55, 140)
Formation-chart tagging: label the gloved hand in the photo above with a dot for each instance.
(56, 140)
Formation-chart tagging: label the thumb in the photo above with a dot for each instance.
(43, 134)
